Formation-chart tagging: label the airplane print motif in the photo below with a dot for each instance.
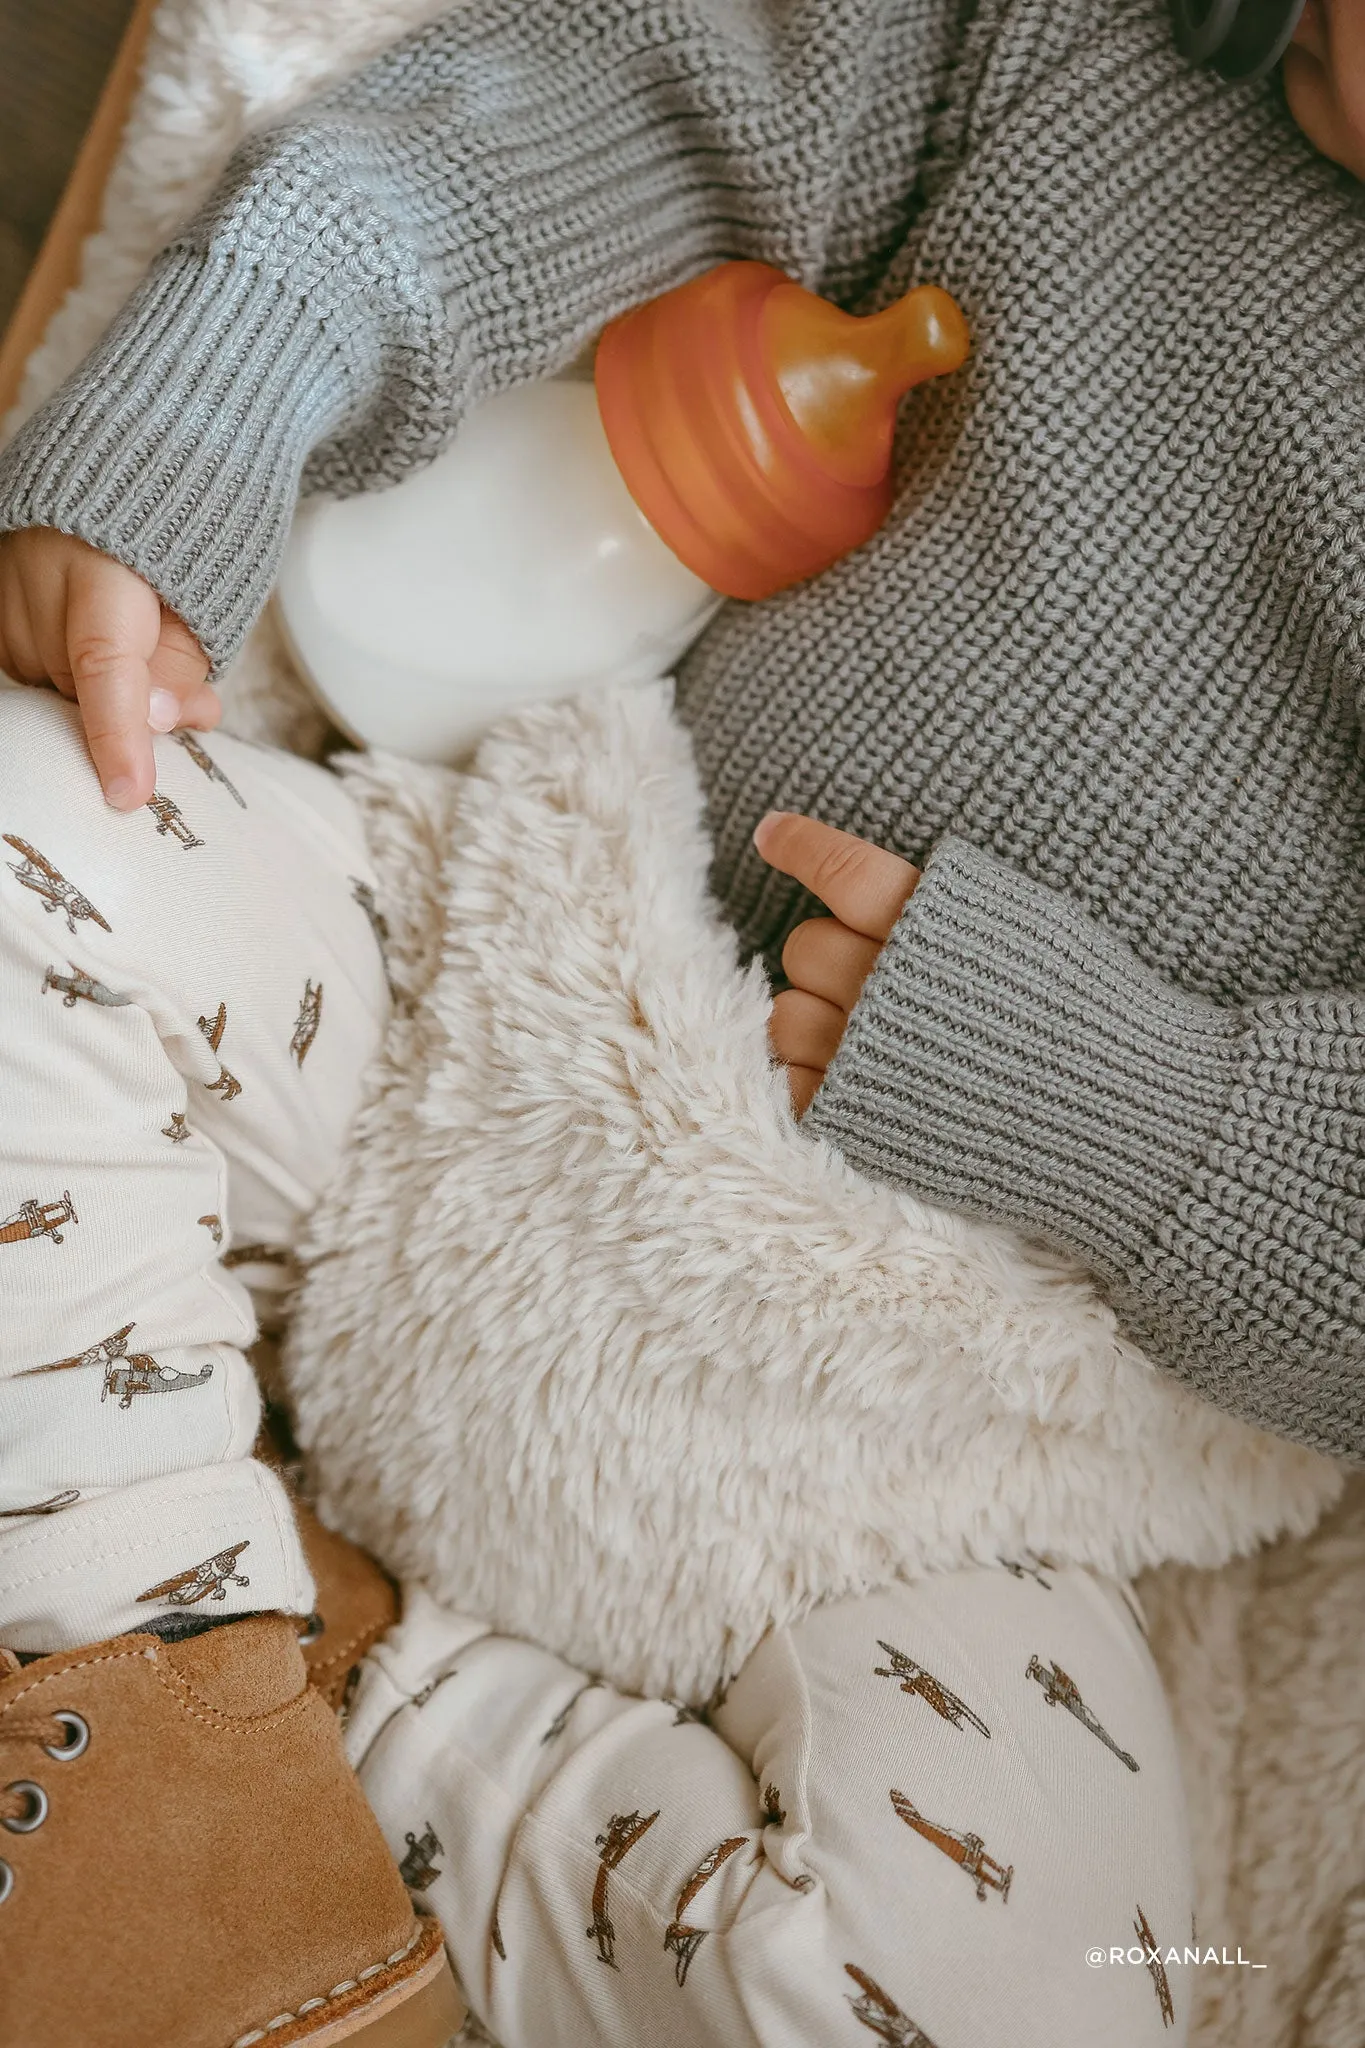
(52, 1506)
(1061, 1691)
(306, 1024)
(204, 761)
(37, 873)
(1156, 1969)
(880, 2014)
(379, 924)
(170, 818)
(39, 1219)
(79, 987)
(681, 1940)
(921, 1683)
(207, 1581)
(624, 1830)
(561, 1719)
(1030, 1567)
(142, 1374)
(128, 1374)
(417, 1869)
(227, 1085)
(968, 1851)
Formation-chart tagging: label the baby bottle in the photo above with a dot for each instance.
(736, 438)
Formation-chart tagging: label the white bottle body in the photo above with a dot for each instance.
(514, 569)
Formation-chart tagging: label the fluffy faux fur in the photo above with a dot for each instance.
(596, 1344)
(1264, 1659)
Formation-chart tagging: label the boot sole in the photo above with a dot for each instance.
(414, 2004)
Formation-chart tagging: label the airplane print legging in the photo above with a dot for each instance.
(911, 1819)
(915, 1818)
(189, 997)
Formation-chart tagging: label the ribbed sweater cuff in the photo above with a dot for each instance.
(185, 469)
(1010, 1059)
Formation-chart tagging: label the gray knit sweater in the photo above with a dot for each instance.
(1105, 666)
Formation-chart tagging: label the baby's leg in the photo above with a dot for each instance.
(189, 995)
(915, 1815)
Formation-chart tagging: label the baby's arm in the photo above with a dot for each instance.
(978, 1040)
(76, 618)
(463, 216)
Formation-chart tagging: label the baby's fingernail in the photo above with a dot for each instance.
(120, 792)
(163, 709)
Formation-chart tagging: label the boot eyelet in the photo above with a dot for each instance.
(6, 1880)
(37, 1808)
(63, 1752)
(312, 1628)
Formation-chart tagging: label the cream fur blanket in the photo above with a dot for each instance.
(669, 1368)
(597, 1345)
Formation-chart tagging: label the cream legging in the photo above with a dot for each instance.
(915, 1819)
(914, 1814)
(189, 995)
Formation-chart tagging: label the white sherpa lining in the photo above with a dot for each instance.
(599, 1346)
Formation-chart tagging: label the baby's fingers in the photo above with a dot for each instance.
(200, 711)
(864, 885)
(178, 669)
(32, 608)
(20, 656)
(113, 623)
(805, 1030)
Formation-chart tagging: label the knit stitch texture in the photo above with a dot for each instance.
(1106, 661)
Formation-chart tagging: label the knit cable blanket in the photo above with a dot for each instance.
(844, 1297)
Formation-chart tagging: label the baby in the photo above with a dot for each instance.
(1072, 752)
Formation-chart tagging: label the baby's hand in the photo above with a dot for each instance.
(827, 959)
(80, 620)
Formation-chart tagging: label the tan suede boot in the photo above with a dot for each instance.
(188, 1861)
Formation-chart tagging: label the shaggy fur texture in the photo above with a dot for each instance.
(596, 1344)
(1264, 1658)
(1264, 1664)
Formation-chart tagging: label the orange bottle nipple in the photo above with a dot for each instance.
(752, 422)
